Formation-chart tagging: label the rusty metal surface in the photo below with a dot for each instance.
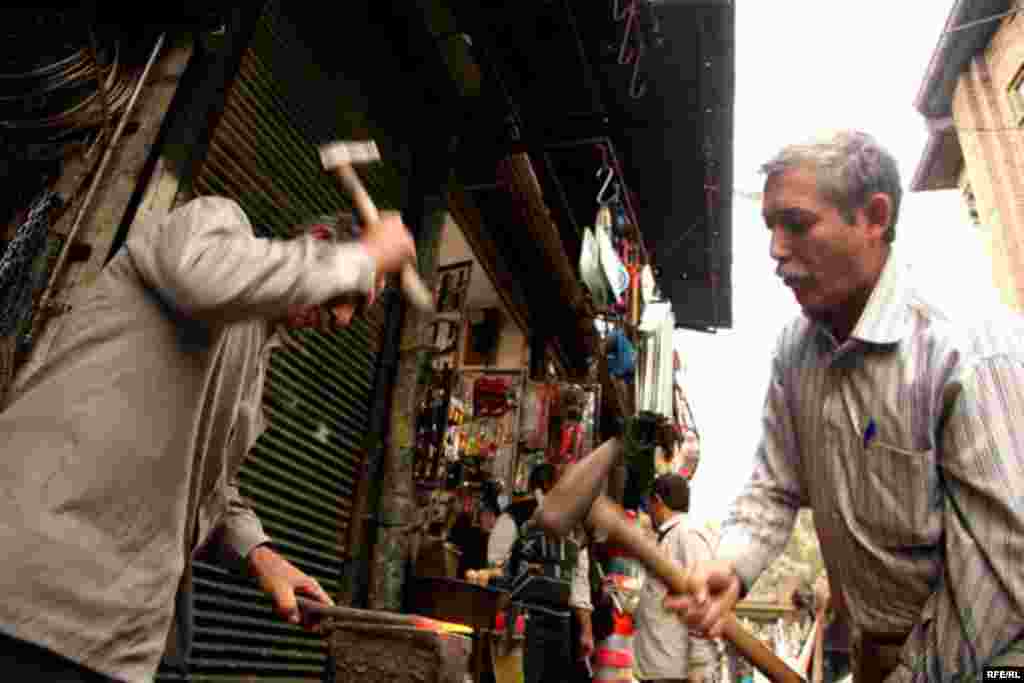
(379, 653)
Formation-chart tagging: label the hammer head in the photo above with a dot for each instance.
(568, 503)
(348, 153)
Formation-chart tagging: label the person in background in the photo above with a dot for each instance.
(896, 418)
(471, 539)
(665, 652)
(549, 647)
(121, 452)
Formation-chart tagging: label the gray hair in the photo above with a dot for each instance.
(850, 166)
(340, 226)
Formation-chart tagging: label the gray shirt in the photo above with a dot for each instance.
(120, 453)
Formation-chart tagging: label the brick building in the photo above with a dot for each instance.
(972, 98)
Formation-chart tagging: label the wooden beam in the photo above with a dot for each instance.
(470, 219)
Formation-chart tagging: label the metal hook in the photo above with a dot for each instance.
(626, 55)
(634, 91)
(604, 185)
(615, 198)
(618, 14)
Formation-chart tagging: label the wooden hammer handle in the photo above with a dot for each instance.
(607, 516)
(417, 292)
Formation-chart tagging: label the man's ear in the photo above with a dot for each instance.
(878, 213)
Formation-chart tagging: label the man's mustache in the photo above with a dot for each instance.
(784, 274)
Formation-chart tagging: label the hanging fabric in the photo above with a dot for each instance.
(621, 355)
(611, 265)
(590, 268)
(490, 397)
(535, 416)
(647, 283)
(656, 386)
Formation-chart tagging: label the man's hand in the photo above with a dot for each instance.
(389, 243)
(586, 644)
(586, 633)
(282, 581)
(716, 591)
(822, 593)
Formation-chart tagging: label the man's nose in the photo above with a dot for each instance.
(780, 247)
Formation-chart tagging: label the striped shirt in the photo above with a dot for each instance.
(902, 441)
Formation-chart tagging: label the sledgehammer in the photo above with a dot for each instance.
(340, 158)
(577, 497)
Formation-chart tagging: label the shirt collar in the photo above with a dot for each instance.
(670, 522)
(884, 320)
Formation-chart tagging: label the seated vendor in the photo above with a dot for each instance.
(471, 539)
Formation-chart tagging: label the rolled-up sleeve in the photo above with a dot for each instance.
(499, 545)
(242, 529)
(579, 597)
(204, 260)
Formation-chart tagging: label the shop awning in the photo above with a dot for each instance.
(553, 86)
(465, 85)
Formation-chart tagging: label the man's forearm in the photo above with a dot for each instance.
(583, 618)
(756, 533)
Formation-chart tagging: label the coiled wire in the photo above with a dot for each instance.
(59, 79)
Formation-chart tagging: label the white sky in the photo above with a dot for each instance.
(803, 66)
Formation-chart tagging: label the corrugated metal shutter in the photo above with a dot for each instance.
(302, 474)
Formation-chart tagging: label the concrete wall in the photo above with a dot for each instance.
(513, 352)
(992, 140)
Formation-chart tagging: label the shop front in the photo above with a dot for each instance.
(551, 330)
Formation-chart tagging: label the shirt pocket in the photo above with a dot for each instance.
(896, 496)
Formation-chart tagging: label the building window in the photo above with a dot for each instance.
(972, 205)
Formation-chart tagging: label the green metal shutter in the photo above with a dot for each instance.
(302, 474)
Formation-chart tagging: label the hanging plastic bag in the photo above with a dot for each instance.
(534, 425)
(621, 355)
(647, 283)
(612, 267)
(590, 268)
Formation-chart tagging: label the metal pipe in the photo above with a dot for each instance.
(44, 300)
(976, 22)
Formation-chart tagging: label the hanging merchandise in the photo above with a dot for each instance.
(573, 432)
(571, 448)
(621, 355)
(614, 271)
(491, 397)
(536, 416)
(590, 268)
(621, 581)
(656, 383)
(648, 285)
